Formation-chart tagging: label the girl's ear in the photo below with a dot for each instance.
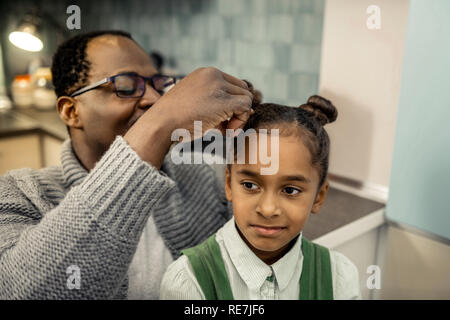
(320, 198)
(228, 183)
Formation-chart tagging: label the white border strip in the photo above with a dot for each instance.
(352, 230)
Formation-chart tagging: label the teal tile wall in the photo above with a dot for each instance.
(276, 44)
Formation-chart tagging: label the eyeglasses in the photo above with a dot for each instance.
(132, 85)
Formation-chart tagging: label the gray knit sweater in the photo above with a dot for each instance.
(57, 217)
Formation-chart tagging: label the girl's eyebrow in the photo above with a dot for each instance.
(248, 173)
(299, 178)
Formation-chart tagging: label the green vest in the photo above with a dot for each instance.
(209, 269)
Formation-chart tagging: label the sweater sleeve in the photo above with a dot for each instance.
(81, 249)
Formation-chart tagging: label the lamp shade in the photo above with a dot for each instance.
(26, 37)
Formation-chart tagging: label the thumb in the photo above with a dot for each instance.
(238, 121)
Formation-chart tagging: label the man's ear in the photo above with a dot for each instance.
(68, 110)
(320, 198)
(228, 183)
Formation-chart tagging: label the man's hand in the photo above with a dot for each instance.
(209, 95)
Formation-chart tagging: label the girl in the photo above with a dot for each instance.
(260, 253)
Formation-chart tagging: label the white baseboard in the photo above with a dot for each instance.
(366, 190)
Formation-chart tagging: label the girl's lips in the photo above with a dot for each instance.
(267, 231)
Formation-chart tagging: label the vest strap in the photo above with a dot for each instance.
(206, 260)
(209, 269)
(316, 281)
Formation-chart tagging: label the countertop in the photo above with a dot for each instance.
(25, 121)
(343, 215)
(340, 208)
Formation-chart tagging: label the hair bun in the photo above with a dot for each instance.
(322, 109)
(257, 95)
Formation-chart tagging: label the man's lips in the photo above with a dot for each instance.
(267, 230)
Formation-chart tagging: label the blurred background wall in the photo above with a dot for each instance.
(360, 72)
(415, 266)
(274, 44)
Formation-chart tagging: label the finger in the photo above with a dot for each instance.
(237, 122)
(233, 80)
(235, 90)
(238, 104)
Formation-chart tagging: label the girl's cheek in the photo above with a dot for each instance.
(242, 204)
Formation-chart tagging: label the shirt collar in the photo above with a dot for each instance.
(285, 268)
(254, 276)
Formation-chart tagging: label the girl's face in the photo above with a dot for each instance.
(271, 210)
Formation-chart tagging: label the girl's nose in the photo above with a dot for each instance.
(268, 205)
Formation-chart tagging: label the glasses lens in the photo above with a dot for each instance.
(129, 86)
(163, 84)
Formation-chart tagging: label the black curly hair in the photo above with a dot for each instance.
(70, 67)
(307, 121)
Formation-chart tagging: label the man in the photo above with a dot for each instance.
(107, 222)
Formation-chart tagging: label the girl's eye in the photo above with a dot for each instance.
(291, 191)
(249, 186)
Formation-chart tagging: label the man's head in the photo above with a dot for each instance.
(97, 116)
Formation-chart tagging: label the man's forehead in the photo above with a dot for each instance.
(112, 54)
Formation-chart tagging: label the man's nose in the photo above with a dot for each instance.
(149, 98)
(268, 205)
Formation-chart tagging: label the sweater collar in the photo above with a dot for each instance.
(74, 173)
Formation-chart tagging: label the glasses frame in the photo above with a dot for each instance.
(112, 80)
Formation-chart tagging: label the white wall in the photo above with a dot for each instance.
(412, 266)
(360, 73)
(362, 252)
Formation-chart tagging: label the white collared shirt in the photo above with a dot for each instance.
(251, 279)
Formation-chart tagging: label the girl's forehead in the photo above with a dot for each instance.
(263, 143)
(293, 156)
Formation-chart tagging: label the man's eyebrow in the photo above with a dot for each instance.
(131, 71)
(299, 178)
(125, 71)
